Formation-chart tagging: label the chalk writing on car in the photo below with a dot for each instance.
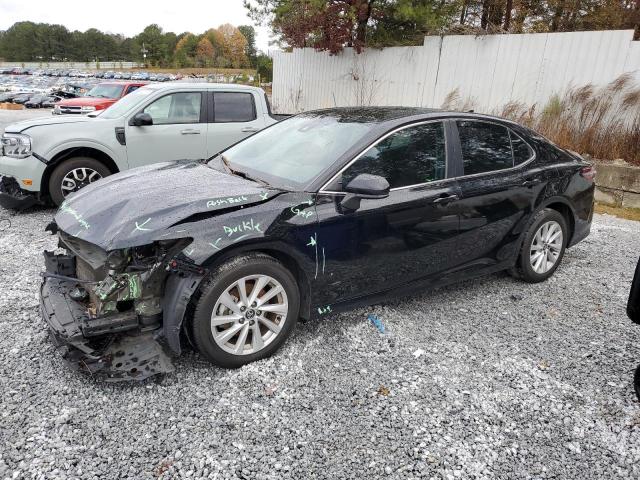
(246, 226)
(74, 213)
(226, 201)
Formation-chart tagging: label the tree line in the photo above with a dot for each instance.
(333, 24)
(226, 46)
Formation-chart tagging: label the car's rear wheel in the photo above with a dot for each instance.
(543, 247)
(74, 174)
(246, 310)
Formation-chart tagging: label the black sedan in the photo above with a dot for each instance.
(316, 214)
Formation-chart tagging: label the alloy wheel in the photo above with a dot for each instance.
(546, 247)
(249, 314)
(78, 178)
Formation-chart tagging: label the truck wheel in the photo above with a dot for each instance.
(73, 174)
(246, 310)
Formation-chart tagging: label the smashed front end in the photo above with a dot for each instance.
(105, 309)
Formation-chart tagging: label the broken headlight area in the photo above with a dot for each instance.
(104, 309)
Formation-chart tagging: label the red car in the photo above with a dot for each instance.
(99, 97)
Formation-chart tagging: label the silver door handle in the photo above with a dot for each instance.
(249, 129)
(190, 131)
(446, 199)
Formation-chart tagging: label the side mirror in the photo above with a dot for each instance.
(364, 186)
(141, 119)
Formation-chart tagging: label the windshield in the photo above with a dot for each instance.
(293, 152)
(122, 106)
(105, 91)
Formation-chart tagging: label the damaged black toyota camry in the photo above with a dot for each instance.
(319, 213)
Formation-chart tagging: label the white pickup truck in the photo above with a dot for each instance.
(46, 159)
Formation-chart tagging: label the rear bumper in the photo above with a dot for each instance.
(131, 355)
(581, 231)
(13, 197)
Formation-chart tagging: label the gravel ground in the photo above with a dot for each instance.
(487, 379)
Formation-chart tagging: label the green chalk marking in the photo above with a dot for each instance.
(141, 227)
(65, 208)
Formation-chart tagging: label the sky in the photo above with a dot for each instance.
(129, 17)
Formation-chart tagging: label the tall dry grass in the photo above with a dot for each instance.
(603, 122)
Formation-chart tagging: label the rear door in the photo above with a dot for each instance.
(234, 115)
(495, 194)
(179, 130)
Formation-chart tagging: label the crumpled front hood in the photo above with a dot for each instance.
(50, 120)
(141, 205)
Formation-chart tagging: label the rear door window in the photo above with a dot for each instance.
(233, 107)
(485, 147)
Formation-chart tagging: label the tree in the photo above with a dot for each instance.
(185, 52)
(250, 35)
(154, 42)
(205, 54)
(333, 24)
(234, 45)
(264, 67)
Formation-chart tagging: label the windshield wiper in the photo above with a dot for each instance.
(225, 162)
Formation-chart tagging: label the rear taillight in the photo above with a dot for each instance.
(588, 173)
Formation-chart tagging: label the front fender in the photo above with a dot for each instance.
(120, 160)
(177, 295)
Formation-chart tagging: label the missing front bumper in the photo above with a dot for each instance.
(98, 349)
(13, 197)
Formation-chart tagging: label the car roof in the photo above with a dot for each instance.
(398, 115)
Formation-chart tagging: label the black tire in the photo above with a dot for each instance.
(55, 182)
(220, 279)
(523, 268)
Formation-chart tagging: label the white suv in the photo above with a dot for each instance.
(49, 158)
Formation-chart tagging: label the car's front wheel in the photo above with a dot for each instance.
(543, 246)
(73, 174)
(246, 310)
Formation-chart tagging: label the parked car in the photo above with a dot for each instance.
(9, 96)
(109, 75)
(35, 101)
(316, 214)
(99, 75)
(22, 99)
(633, 310)
(50, 101)
(153, 124)
(99, 97)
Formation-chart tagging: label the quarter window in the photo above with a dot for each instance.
(485, 147)
(233, 107)
(181, 107)
(521, 149)
(410, 156)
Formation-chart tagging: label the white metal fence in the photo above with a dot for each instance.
(488, 70)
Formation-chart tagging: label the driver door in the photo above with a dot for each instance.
(179, 130)
(408, 236)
